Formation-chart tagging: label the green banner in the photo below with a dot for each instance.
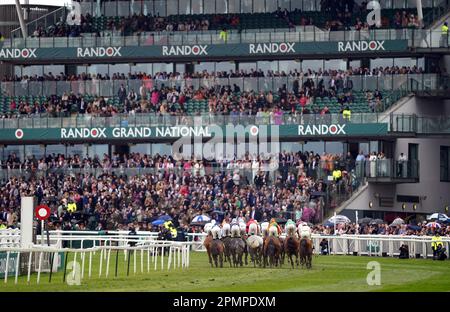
(124, 134)
(203, 50)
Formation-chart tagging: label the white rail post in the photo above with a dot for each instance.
(148, 259)
(142, 260)
(90, 265)
(162, 257)
(134, 261)
(40, 266)
(74, 264)
(155, 257)
(107, 262)
(83, 254)
(169, 260)
(17, 268)
(101, 262)
(6, 267)
(29, 267)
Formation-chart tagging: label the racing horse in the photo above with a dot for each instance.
(243, 228)
(254, 244)
(208, 240)
(226, 239)
(291, 244)
(237, 245)
(216, 247)
(272, 248)
(306, 251)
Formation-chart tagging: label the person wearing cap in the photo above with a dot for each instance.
(273, 222)
(436, 245)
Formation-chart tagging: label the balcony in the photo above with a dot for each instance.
(389, 171)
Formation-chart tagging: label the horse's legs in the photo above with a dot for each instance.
(290, 259)
(246, 256)
(221, 259)
(215, 261)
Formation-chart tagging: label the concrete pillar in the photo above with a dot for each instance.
(26, 221)
(21, 20)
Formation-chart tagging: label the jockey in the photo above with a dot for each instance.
(250, 222)
(274, 223)
(289, 223)
(304, 230)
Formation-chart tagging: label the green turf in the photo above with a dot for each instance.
(329, 273)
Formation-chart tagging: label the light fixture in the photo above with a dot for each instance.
(446, 208)
(414, 206)
(403, 206)
(370, 204)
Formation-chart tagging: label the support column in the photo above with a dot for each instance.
(21, 20)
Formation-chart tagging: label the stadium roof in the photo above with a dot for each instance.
(36, 2)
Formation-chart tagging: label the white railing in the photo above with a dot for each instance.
(361, 245)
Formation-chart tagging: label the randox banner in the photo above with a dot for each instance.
(81, 134)
(204, 50)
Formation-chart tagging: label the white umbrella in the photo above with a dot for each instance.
(434, 224)
(201, 219)
(438, 216)
(339, 219)
(398, 221)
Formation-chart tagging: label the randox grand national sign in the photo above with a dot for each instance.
(171, 133)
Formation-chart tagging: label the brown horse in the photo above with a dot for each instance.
(217, 250)
(207, 244)
(306, 250)
(272, 250)
(291, 248)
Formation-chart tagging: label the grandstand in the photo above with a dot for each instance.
(105, 99)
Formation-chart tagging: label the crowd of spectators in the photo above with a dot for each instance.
(357, 71)
(420, 228)
(111, 198)
(125, 26)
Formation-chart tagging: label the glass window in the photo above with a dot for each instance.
(259, 6)
(197, 6)
(268, 65)
(55, 149)
(285, 4)
(144, 68)
(271, 6)
(54, 69)
(334, 147)
(445, 163)
(172, 7)
(97, 150)
(225, 66)
(180, 68)
(161, 149)
(291, 147)
(76, 149)
(221, 6)
(408, 62)
(141, 148)
(235, 6)
(364, 147)
(36, 150)
(13, 149)
(185, 7)
(385, 62)
(136, 7)
(97, 69)
(162, 67)
(210, 7)
(123, 8)
(160, 8)
(335, 65)
(316, 147)
(246, 6)
(110, 8)
(30, 70)
(119, 68)
(148, 7)
(314, 65)
(208, 66)
(288, 66)
(247, 66)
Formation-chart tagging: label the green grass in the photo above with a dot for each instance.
(329, 273)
